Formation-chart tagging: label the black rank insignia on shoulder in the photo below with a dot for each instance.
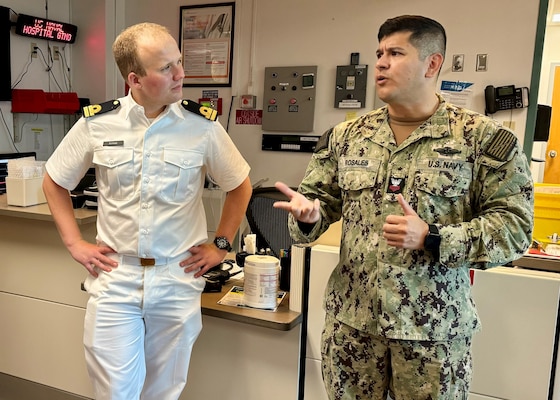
(501, 145)
(323, 142)
(203, 111)
(95, 109)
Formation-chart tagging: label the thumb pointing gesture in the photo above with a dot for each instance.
(407, 209)
(406, 231)
(302, 209)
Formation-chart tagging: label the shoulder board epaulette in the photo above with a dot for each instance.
(203, 111)
(95, 109)
(323, 142)
(501, 145)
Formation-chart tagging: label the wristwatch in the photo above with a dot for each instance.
(222, 243)
(433, 240)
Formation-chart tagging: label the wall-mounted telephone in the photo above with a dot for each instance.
(505, 98)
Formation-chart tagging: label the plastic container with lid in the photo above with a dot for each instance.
(261, 281)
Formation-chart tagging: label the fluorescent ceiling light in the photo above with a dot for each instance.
(555, 17)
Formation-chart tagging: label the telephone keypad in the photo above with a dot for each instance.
(506, 104)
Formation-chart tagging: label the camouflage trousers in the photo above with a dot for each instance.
(360, 366)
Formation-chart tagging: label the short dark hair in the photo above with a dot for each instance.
(427, 35)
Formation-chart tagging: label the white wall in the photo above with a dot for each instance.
(294, 32)
(89, 53)
(325, 32)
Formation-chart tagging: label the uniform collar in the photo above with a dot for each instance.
(377, 128)
(130, 105)
(438, 124)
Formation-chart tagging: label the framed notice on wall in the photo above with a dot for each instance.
(206, 40)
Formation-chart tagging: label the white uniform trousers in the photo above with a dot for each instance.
(140, 327)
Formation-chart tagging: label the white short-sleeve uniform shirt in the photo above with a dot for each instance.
(150, 174)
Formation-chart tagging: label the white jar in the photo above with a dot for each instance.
(260, 289)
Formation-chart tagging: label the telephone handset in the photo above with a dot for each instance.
(505, 98)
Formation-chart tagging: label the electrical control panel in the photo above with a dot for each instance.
(289, 98)
(351, 86)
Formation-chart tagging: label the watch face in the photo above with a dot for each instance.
(222, 243)
(433, 239)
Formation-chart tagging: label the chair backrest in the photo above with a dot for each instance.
(269, 224)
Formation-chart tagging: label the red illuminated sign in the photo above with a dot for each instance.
(47, 29)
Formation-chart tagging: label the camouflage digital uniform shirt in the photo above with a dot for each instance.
(460, 171)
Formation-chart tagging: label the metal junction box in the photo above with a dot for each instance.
(351, 86)
(289, 99)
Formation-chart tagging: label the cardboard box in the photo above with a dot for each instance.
(547, 212)
(24, 192)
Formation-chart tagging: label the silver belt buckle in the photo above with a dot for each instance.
(147, 262)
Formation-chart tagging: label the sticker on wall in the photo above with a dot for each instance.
(248, 117)
(351, 115)
(457, 92)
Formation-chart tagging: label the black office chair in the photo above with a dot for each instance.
(269, 224)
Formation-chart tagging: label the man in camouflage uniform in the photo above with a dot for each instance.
(426, 190)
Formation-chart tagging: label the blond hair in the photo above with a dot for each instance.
(125, 47)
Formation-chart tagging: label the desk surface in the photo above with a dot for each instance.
(540, 263)
(282, 319)
(41, 212)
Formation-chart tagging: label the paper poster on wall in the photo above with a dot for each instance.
(458, 93)
(206, 40)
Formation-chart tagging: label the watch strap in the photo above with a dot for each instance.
(433, 240)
